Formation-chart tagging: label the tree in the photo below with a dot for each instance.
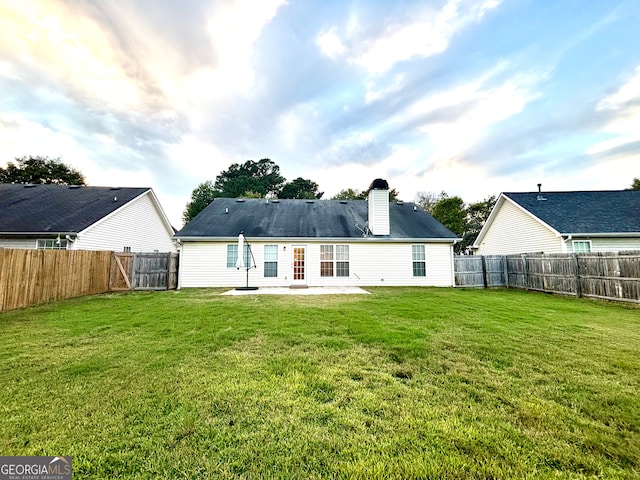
(477, 214)
(451, 213)
(41, 170)
(427, 200)
(349, 194)
(261, 177)
(635, 185)
(201, 196)
(300, 188)
(354, 194)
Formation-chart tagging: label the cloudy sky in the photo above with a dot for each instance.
(468, 96)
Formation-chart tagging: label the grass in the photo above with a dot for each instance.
(403, 383)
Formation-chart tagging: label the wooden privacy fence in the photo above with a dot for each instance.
(32, 277)
(611, 276)
(144, 271)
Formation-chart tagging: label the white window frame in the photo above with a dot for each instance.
(334, 259)
(581, 242)
(232, 255)
(270, 260)
(418, 259)
(52, 244)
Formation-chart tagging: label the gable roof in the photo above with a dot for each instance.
(337, 219)
(595, 212)
(31, 209)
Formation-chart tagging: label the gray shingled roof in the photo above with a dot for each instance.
(57, 208)
(584, 212)
(307, 219)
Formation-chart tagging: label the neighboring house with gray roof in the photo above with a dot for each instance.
(78, 217)
(562, 222)
(317, 243)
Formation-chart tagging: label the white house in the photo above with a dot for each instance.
(316, 243)
(562, 222)
(78, 217)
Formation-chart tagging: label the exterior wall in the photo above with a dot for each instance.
(137, 225)
(514, 231)
(203, 264)
(18, 243)
(608, 244)
(379, 212)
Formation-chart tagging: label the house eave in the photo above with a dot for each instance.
(603, 234)
(370, 239)
(50, 233)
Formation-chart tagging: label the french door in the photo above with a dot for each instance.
(299, 265)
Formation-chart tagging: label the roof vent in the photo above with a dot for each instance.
(29, 185)
(344, 202)
(73, 187)
(311, 201)
(275, 200)
(115, 188)
(540, 197)
(399, 202)
(240, 200)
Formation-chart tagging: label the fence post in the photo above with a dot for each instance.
(524, 272)
(484, 271)
(577, 268)
(506, 271)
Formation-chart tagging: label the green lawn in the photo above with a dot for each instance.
(403, 383)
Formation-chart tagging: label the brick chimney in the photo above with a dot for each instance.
(379, 207)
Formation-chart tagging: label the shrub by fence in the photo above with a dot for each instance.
(33, 277)
(609, 276)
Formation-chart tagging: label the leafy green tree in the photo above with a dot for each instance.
(201, 196)
(635, 185)
(349, 194)
(41, 170)
(477, 214)
(261, 177)
(450, 212)
(354, 194)
(300, 188)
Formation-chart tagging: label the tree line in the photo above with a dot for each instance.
(261, 179)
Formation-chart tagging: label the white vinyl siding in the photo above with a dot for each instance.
(515, 231)
(203, 264)
(18, 244)
(137, 225)
(610, 244)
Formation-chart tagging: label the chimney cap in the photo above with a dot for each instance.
(379, 184)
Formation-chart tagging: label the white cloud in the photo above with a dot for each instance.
(330, 44)
(374, 94)
(234, 29)
(428, 35)
(481, 104)
(624, 125)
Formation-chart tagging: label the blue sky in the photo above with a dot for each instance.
(467, 96)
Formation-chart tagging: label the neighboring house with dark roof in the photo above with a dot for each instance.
(83, 218)
(562, 222)
(317, 243)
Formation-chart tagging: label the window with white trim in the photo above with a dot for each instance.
(52, 244)
(270, 260)
(232, 255)
(334, 265)
(419, 261)
(581, 246)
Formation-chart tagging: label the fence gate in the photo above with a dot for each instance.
(121, 272)
(144, 271)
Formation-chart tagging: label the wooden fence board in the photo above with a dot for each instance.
(32, 277)
(613, 276)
